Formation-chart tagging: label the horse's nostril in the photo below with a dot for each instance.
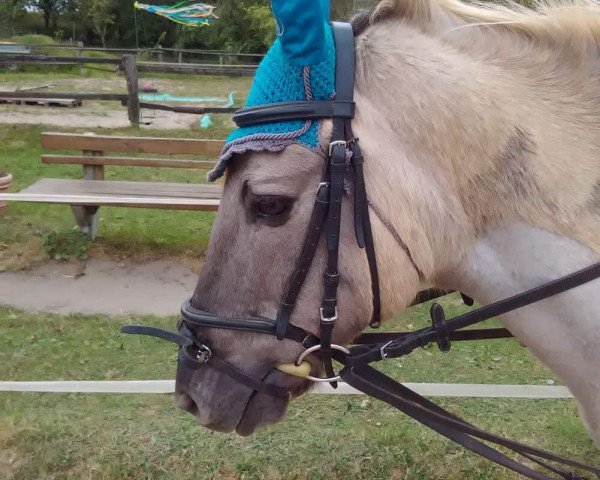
(185, 402)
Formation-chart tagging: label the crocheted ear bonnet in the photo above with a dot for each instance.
(300, 65)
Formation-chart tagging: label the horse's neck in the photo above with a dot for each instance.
(513, 258)
(459, 149)
(564, 330)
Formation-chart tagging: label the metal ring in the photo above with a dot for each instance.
(314, 348)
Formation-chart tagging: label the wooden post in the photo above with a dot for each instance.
(80, 55)
(133, 102)
(180, 57)
(87, 216)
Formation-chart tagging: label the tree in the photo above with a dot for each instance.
(100, 13)
(10, 11)
(261, 28)
(50, 9)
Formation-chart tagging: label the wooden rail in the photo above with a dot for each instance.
(49, 60)
(127, 161)
(456, 390)
(152, 145)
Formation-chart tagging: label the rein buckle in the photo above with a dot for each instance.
(382, 351)
(202, 353)
(325, 319)
(335, 144)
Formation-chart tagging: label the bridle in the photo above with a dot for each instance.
(343, 154)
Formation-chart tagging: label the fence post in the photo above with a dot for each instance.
(80, 55)
(133, 100)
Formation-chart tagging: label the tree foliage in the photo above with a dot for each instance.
(11, 10)
(245, 26)
(50, 10)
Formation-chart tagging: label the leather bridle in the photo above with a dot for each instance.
(343, 152)
(343, 155)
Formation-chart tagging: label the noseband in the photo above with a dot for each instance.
(343, 153)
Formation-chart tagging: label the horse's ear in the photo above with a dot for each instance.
(301, 29)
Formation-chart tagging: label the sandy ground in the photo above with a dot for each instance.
(91, 115)
(100, 287)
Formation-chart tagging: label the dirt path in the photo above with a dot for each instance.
(100, 287)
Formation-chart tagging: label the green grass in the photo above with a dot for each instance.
(33, 39)
(144, 436)
(77, 436)
(123, 230)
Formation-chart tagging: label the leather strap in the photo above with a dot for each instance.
(344, 92)
(285, 111)
(460, 335)
(201, 318)
(156, 332)
(422, 337)
(311, 242)
(245, 379)
(376, 384)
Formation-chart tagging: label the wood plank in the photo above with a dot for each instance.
(131, 77)
(168, 386)
(102, 143)
(44, 59)
(187, 109)
(128, 161)
(110, 188)
(75, 95)
(205, 204)
(46, 101)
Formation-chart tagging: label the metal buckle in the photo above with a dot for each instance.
(321, 185)
(310, 350)
(328, 319)
(203, 353)
(336, 143)
(382, 350)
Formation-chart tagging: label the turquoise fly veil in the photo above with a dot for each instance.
(300, 65)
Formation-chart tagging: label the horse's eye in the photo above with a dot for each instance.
(271, 206)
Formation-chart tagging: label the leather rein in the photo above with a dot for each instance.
(344, 154)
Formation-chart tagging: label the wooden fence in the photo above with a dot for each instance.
(129, 65)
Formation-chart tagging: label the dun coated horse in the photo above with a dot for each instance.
(480, 131)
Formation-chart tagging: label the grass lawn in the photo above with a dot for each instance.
(77, 436)
(144, 436)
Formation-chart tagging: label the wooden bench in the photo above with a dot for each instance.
(85, 196)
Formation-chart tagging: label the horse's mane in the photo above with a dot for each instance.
(552, 21)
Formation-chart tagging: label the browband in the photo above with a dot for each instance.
(285, 111)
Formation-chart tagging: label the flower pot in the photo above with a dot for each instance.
(5, 183)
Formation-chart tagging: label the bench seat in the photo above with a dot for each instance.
(178, 196)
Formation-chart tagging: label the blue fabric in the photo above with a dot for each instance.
(278, 79)
(299, 29)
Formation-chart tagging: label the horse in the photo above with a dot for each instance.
(480, 129)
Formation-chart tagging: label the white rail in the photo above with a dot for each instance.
(168, 386)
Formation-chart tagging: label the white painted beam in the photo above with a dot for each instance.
(168, 386)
